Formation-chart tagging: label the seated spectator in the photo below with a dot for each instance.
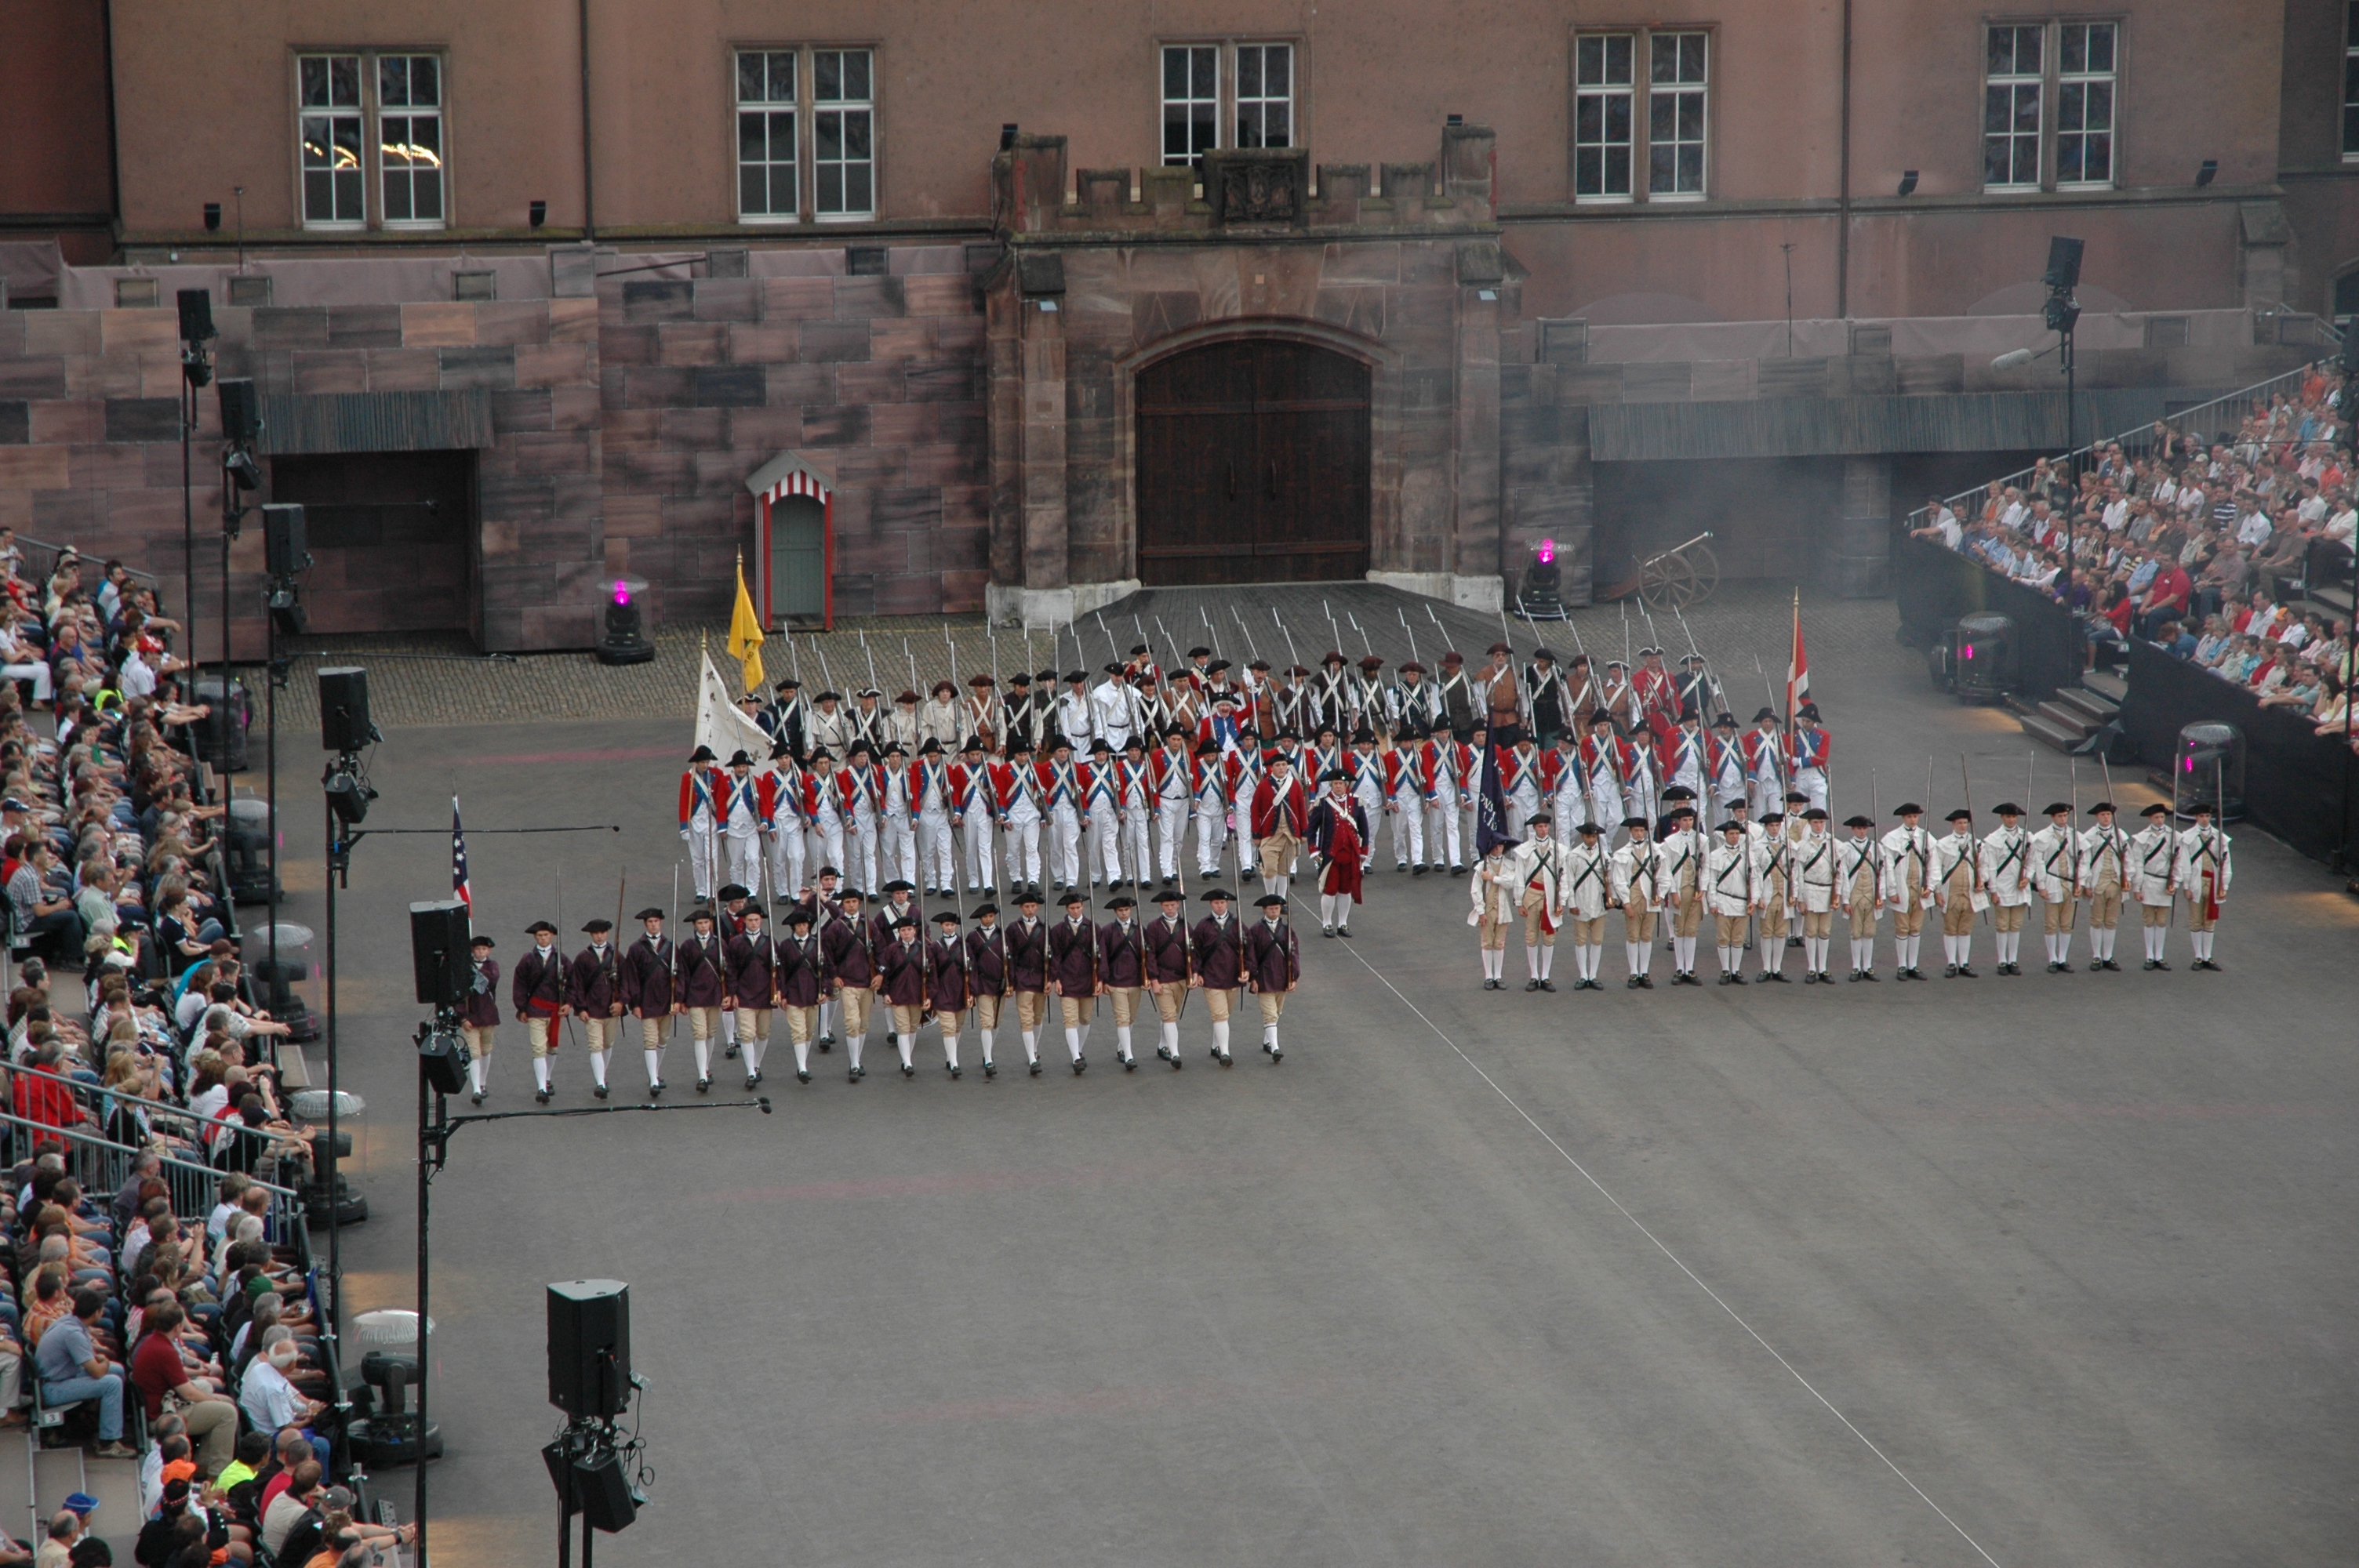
(71, 1369)
(158, 1369)
(41, 911)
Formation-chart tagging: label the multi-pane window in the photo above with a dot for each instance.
(844, 134)
(1675, 113)
(2351, 83)
(2084, 103)
(329, 129)
(1640, 100)
(1603, 93)
(1264, 95)
(2012, 78)
(1191, 100)
(767, 159)
(410, 137)
(2050, 107)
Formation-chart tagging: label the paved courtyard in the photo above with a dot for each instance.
(2009, 1271)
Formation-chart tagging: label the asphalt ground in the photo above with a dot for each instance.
(2021, 1271)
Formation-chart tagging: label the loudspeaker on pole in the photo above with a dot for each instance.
(590, 1346)
(344, 710)
(437, 952)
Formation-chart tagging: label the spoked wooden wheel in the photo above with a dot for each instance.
(1680, 577)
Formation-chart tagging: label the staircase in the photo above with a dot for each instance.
(2075, 713)
(34, 1483)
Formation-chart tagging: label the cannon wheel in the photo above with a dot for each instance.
(1680, 578)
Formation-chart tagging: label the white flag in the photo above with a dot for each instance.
(720, 723)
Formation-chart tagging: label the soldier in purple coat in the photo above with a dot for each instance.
(1028, 972)
(479, 1014)
(752, 988)
(1273, 967)
(596, 994)
(987, 979)
(901, 982)
(700, 979)
(801, 983)
(850, 955)
(1073, 973)
(1218, 950)
(646, 993)
(947, 985)
(1122, 970)
(1168, 971)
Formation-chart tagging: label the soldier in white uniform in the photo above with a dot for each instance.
(1113, 710)
(1861, 886)
(741, 829)
(1908, 855)
(1131, 799)
(1588, 891)
(1103, 799)
(1496, 895)
(2007, 874)
(1777, 894)
(931, 793)
(1211, 793)
(1600, 770)
(782, 821)
(1061, 806)
(698, 787)
(1075, 714)
(2153, 876)
(2056, 878)
(975, 815)
(827, 725)
(1638, 888)
(1015, 784)
(1173, 796)
(1539, 875)
(896, 816)
(2104, 874)
(1958, 892)
(1569, 802)
(1683, 890)
(1732, 889)
(942, 718)
(2204, 872)
(1815, 884)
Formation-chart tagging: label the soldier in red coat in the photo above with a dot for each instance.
(1339, 842)
(1216, 952)
(1273, 967)
(1074, 977)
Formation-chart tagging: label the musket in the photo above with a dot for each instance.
(1292, 658)
(1625, 638)
(1212, 637)
(953, 647)
(1113, 653)
(794, 654)
(1253, 650)
(823, 676)
(1967, 780)
(911, 656)
(864, 648)
(1365, 646)
(557, 949)
(671, 1022)
(1332, 630)
(1411, 636)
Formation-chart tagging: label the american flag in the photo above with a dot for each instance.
(459, 866)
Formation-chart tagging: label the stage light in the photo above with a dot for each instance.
(1547, 551)
(242, 469)
(625, 641)
(348, 796)
(1907, 182)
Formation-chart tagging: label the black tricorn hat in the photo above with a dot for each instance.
(703, 754)
(650, 912)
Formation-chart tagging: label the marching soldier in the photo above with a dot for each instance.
(1015, 787)
(1587, 889)
(1779, 893)
(1724, 760)
(2203, 875)
(1552, 703)
(700, 984)
(988, 982)
(901, 984)
(1405, 801)
(1958, 892)
(1814, 894)
(1733, 889)
(1812, 752)
(2007, 874)
(942, 718)
(1113, 709)
(848, 949)
(824, 808)
(801, 983)
(2056, 878)
(1122, 971)
(1861, 886)
(1061, 792)
(738, 801)
(2104, 874)
(1497, 895)
(1683, 890)
(863, 787)
(1641, 886)
(827, 725)
(1104, 816)
(1446, 764)
(698, 789)
(1020, 715)
(1338, 850)
(594, 990)
(1169, 974)
(901, 725)
(2154, 871)
(1502, 693)
(1330, 693)
(980, 714)
(782, 796)
(935, 798)
(1028, 972)
(896, 814)
(1280, 817)
(1208, 789)
(782, 718)
(1762, 748)
(1540, 871)
(974, 813)
(1600, 771)
(1073, 715)
(1171, 778)
(479, 1014)
(1683, 759)
(948, 987)
(1456, 694)
(1520, 783)
(1273, 969)
(1074, 977)
(1908, 851)
(537, 992)
(1289, 700)
(1216, 952)
(752, 968)
(1419, 700)
(646, 993)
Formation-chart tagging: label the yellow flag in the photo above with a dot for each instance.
(745, 634)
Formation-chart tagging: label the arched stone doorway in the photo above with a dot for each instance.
(1253, 464)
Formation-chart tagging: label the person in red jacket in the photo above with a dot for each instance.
(1281, 816)
(1339, 845)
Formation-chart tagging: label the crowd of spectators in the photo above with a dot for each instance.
(2212, 550)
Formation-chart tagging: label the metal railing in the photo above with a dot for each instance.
(2137, 441)
(41, 562)
(103, 1165)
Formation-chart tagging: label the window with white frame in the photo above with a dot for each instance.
(330, 132)
(1603, 115)
(2050, 105)
(2084, 103)
(844, 134)
(2351, 83)
(1191, 101)
(2014, 77)
(409, 138)
(1675, 113)
(1264, 95)
(768, 155)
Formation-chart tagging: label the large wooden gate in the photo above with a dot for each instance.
(1253, 465)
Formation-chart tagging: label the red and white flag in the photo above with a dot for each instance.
(1798, 666)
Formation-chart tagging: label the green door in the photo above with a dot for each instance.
(798, 560)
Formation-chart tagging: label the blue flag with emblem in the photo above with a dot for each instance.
(1490, 805)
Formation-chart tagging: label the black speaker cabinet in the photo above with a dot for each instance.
(602, 1492)
(343, 709)
(196, 315)
(443, 1057)
(437, 952)
(241, 411)
(284, 551)
(590, 1346)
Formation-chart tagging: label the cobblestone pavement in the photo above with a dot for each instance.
(426, 679)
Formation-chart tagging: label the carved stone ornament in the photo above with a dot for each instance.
(1265, 187)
